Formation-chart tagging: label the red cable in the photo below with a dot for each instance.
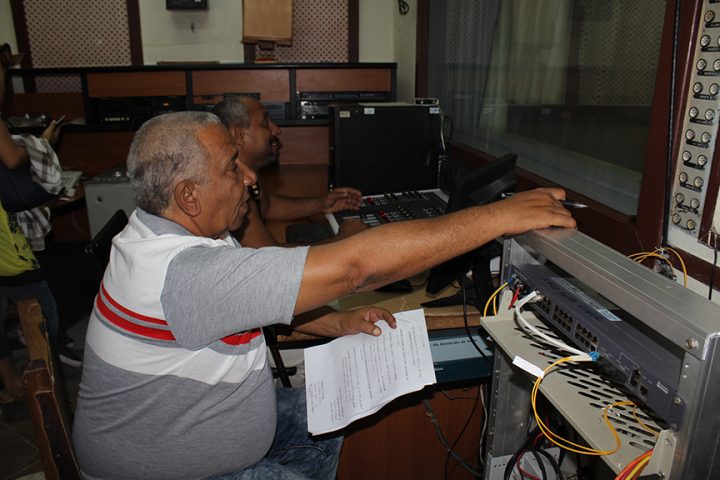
(623, 475)
(526, 474)
(514, 298)
(523, 473)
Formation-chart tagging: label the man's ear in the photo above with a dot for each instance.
(187, 198)
(238, 134)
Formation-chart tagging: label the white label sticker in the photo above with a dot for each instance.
(369, 111)
(344, 114)
(528, 367)
(434, 110)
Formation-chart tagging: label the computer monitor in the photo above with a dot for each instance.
(384, 147)
(482, 186)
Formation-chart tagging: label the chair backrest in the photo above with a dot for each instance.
(34, 330)
(52, 428)
(98, 250)
(47, 399)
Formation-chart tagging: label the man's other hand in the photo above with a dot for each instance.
(326, 322)
(339, 199)
(363, 321)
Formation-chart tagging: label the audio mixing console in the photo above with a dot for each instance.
(394, 207)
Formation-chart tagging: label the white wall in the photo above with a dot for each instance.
(405, 30)
(384, 35)
(7, 29)
(387, 36)
(376, 41)
(167, 35)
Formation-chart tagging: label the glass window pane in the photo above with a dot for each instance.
(565, 84)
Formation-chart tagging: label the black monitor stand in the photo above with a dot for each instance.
(477, 290)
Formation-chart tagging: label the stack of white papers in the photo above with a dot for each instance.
(354, 376)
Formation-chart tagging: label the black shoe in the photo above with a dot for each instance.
(69, 357)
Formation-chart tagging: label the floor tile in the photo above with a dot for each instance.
(33, 471)
(17, 455)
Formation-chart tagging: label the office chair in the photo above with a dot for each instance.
(46, 396)
(98, 251)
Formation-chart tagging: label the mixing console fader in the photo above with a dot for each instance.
(394, 207)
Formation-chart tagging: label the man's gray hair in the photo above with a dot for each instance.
(233, 111)
(166, 150)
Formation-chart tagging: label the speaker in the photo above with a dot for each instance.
(186, 4)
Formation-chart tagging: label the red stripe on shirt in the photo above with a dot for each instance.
(158, 334)
(241, 338)
(120, 322)
(130, 313)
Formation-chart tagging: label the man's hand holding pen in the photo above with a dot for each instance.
(565, 203)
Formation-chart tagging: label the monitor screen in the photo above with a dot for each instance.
(482, 186)
(383, 148)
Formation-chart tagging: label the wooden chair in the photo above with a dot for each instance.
(47, 399)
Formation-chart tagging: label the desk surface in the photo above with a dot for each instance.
(309, 180)
(439, 318)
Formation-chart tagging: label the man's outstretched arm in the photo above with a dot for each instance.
(391, 252)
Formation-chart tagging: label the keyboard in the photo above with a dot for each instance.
(307, 233)
(393, 207)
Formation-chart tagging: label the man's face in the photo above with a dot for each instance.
(224, 197)
(260, 145)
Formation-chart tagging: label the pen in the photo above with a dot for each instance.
(566, 203)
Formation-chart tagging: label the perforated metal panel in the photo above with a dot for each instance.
(578, 393)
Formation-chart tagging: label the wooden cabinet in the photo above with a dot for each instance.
(135, 84)
(335, 80)
(209, 87)
(116, 100)
(400, 441)
(108, 104)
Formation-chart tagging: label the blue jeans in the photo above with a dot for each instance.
(39, 290)
(294, 455)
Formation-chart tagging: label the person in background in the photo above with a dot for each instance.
(20, 277)
(30, 172)
(22, 232)
(256, 137)
(176, 383)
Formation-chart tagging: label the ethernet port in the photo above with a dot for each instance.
(643, 390)
(635, 378)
